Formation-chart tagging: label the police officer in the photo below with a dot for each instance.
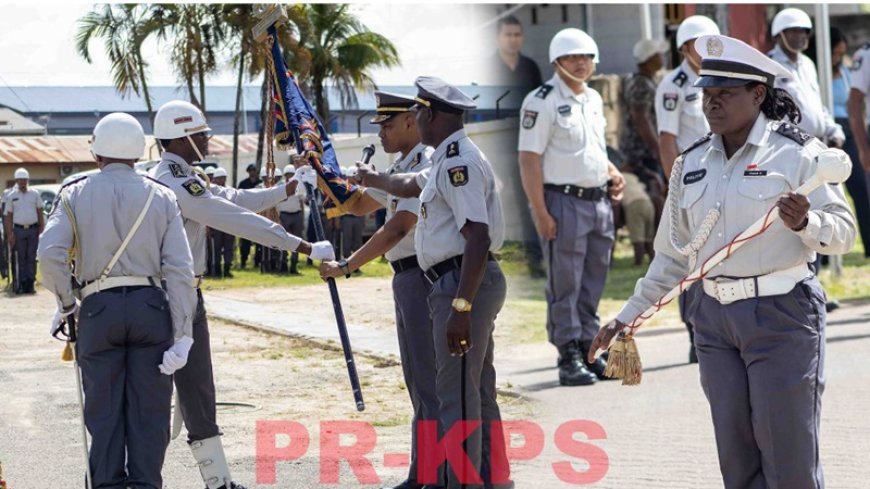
(760, 315)
(127, 236)
(183, 132)
(791, 30)
(292, 215)
(252, 181)
(24, 223)
(680, 115)
(565, 172)
(460, 225)
(859, 75)
(224, 242)
(395, 240)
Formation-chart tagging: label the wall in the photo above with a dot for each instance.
(40, 172)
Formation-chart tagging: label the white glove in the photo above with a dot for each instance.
(176, 356)
(305, 175)
(60, 316)
(323, 251)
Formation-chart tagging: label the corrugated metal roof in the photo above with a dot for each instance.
(13, 123)
(43, 100)
(77, 149)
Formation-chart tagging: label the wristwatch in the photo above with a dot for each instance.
(342, 264)
(461, 305)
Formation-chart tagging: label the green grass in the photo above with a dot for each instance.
(251, 277)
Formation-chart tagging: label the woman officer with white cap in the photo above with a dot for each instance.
(760, 315)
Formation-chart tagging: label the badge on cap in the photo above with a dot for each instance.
(529, 119)
(715, 47)
(670, 101)
(182, 120)
(458, 176)
(193, 187)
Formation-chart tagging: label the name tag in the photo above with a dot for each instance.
(694, 176)
(692, 97)
(755, 173)
(564, 109)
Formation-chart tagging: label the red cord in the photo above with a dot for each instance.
(685, 283)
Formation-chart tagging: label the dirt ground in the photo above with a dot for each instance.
(273, 378)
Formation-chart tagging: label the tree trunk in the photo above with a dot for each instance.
(264, 119)
(238, 116)
(200, 68)
(321, 101)
(147, 95)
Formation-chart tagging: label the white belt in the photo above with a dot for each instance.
(780, 282)
(112, 282)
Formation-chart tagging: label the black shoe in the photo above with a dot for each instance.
(693, 355)
(598, 366)
(232, 485)
(832, 306)
(572, 368)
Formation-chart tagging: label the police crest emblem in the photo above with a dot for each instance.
(458, 176)
(529, 119)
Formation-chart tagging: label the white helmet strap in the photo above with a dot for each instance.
(567, 74)
(786, 45)
(195, 148)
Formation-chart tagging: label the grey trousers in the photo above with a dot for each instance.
(480, 392)
(294, 224)
(351, 234)
(26, 242)
(122, 335)
(762, 370)
(417, 350)
(577, 263)
(195, 382)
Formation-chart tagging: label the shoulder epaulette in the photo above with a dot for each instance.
(77, 180)
(700, 142)
(681, 78)
(794, 133)
(544, 91)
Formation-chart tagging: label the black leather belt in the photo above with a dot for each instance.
(583, 193)
(441, 269)
(25, 226)
(403, 264)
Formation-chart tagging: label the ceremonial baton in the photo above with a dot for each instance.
(833, 166)
(71, 324)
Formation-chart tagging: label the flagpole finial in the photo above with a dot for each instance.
(269, 14)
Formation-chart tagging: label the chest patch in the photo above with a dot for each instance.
(193, 187)
(458, 176)
(691, 97)
(755, 173)
(529, 119)
(670, 101)
(564, 109)
(694, 176)
(176, 170)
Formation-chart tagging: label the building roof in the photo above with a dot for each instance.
(44, 100)
(14, 124)
(77, 149)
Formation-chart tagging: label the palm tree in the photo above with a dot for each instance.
(341, 50)
(123, 29)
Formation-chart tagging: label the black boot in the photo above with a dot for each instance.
(598, 366)
(227, 273)
(572, 368)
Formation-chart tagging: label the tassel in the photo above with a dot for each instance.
(67, 355)
(623, 361)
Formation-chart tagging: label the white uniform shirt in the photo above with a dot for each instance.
(680, 107)
(859, 76)
(106, 205)
(804, 89)
(226, 209)
(567, 130)
(744, 188)
(24, 206)
(460, 187)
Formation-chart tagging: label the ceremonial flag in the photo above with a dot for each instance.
(296, 123)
